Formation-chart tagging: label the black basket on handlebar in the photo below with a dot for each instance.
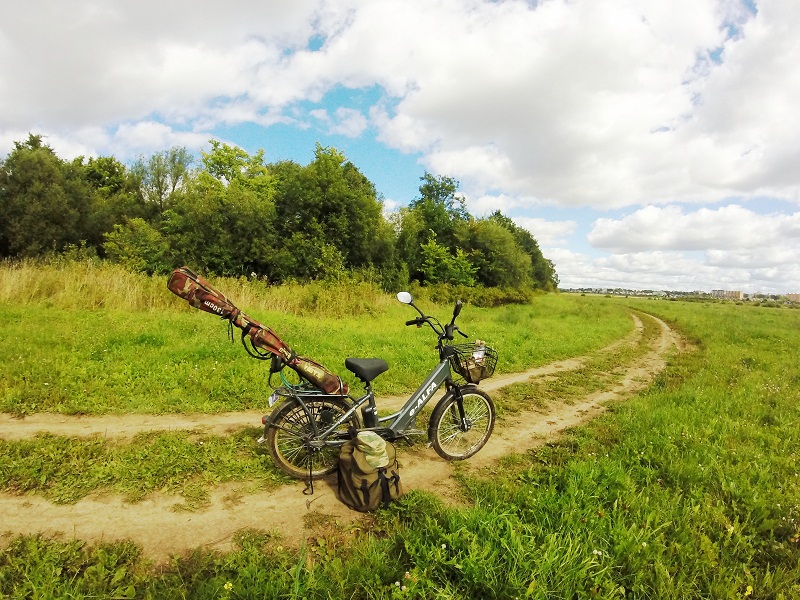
(473, 362)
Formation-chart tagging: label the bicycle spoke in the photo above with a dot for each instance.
(455, 438)
(294, 428)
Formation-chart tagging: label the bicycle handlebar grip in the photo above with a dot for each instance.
(413, 322)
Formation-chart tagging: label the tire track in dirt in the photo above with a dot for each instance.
(162, 529)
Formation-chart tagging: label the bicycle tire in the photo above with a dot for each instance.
(445, 432)
(291, 427)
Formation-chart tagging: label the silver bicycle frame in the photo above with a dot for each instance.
(402, 418)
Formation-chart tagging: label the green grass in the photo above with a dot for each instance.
(688, 490)
(66, 469)
(600, 370)
(158, 355)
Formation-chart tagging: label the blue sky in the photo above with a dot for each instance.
(645, 145)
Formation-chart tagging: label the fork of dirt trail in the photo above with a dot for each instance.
(162, 529)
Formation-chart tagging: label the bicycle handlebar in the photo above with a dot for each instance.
(446, 332)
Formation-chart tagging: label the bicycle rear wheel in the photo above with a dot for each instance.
(457, 439)
(292, 429)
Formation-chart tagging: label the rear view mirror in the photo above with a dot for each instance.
(457, 309)
(405, 298)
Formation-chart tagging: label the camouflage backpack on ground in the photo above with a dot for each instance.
(369, 475)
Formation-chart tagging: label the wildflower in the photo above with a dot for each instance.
(402, 588)
(597, 552)
(644, 544)
(444, 546)
(748, 591)
(228, 586)
(407, 575)
(397, 583)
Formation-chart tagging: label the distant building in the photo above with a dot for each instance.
(727, 294)
(793, 297)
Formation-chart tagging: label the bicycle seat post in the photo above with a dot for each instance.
(369, 412)
(367, 369)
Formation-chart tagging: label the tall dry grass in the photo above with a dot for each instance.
(70, 284)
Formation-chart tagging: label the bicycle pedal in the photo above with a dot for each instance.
(410, 436)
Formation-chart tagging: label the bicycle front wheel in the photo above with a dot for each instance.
(457, 438)
(293, 430)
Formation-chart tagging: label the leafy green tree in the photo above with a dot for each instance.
(44, 201)
(439, 200)
(115, 198)
(161, 176)
(228, 164)
(498, 258)
(440, 266)
(331, 199)
(543, 273)
(138, 246)
(107, 175)
(438, 211)
(306, 257)
(224, 219)
(236, 215)
(227, 230)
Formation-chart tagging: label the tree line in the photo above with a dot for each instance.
(235, 215)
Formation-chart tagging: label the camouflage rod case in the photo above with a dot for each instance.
(200, 294)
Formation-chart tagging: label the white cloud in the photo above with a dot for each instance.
(548, 233)
(485, 205)
(78, 65)
(401, 132)
(345, 121)
(670, 271)
(142, 137)
(485, 164)
(670, 228)
(349, 122)
(583, 102)
(78, 62)
(730, 247)
(561, 107)
(575, 103)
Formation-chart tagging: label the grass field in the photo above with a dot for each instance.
(691, 489)
(147, 351)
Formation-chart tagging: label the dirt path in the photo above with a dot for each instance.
(163, 530)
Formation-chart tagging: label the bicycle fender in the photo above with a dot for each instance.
(268, 419)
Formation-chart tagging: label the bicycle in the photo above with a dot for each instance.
(307, 427)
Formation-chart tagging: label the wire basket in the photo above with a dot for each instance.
(473, 362)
